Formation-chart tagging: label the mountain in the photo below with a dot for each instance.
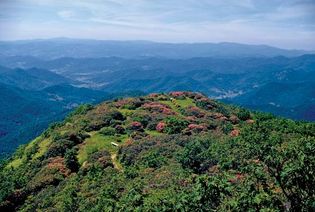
(21, 111)
(296, 100)
(79, 48)
(25, 114)
(235, 80)
(164, 152)
(30, 79)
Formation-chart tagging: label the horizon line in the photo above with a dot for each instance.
(152, 41)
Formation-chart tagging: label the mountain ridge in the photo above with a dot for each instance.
(56, 48)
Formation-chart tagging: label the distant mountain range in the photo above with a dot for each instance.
(78, 48)
(42, 80)
(31, 79)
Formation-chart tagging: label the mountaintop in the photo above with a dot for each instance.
(162, 152)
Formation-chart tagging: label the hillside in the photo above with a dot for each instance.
(25, 113)
(164, 152)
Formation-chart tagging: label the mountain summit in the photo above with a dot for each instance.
(164, 152)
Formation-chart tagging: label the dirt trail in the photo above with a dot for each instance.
(117, 165)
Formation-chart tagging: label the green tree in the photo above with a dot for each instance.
(71, 160)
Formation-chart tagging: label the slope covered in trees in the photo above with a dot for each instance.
(162, 152)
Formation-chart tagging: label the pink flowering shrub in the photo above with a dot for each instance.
(235, 133)
(158, 107)
(197, 127)
(177, 94)
(160, 126)
(135, 126)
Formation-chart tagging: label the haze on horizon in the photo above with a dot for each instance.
(286, 24)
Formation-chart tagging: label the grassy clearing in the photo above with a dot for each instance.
(99, 142)
(185, 102)
(175, 104)
(16, 162)
(170, 104)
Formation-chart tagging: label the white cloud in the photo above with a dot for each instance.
(67, 14)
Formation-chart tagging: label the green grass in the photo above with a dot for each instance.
(126, 112)
(182, 103)
(170, 104)
(32, 143)
(185, 102)
(99, 142)
(15, 163)
(153, 132)
(42, 148)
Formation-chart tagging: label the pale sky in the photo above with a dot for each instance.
(280, 23)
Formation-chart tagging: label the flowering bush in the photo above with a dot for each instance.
(160, 126)
(158, 107)
(177, 94)
(197, 127)
(174, 125)
(135, 126)
(235, 133)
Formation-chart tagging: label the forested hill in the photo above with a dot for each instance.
(164, 152)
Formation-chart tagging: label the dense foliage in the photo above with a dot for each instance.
(164, 152)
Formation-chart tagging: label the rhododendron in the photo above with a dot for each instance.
(160, 126)
(177, 93)
(235, 133)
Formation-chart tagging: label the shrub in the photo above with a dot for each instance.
(81, 110)
(153, 160)
(221, 109)
(174, 125)
(227, 128)
(108, 131)
(120, 129)
(144, 119)
(101, 158)
(117, 115)
(71, 160)
(58, 148)
(243, 114)
(135, 126)
(196, 156)
(160, 126)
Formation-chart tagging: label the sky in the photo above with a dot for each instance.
(286, 24)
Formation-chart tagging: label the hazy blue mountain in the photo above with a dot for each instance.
(296, 100)
(223, 78)
(23, 115)
(31, 79)
(78, 48)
